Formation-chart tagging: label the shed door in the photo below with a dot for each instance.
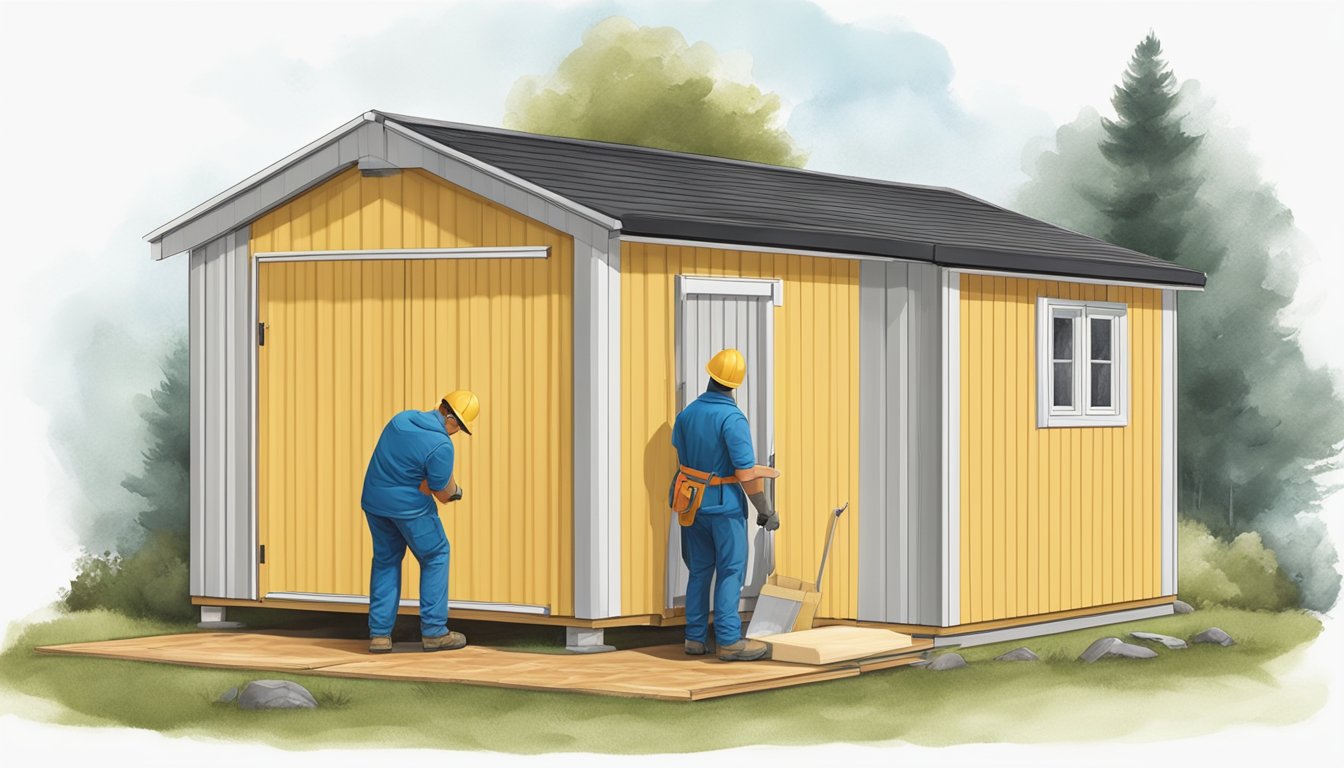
(330, 372)
(715, 314)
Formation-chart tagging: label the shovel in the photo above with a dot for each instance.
(787, 604)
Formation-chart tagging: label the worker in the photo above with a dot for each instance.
(711, 436)
(411, 467)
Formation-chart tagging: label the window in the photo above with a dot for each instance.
(1082, 376)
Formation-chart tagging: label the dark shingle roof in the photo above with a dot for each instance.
(657, 193)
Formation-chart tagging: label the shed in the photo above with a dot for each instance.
(994, 394)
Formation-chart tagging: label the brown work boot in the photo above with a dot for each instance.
(743, 650)
(696, 648)
(449, 642)
(380, 645)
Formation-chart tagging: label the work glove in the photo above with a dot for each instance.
(457, 496)
(770, 523)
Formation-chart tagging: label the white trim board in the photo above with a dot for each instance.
(951, 407)
(772, 288)
(1169, 400)
(264, 173)
(1050, 627)
(1071, 279)
(503, 252)
(313, 597)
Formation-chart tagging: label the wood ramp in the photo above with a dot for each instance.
(658, 672)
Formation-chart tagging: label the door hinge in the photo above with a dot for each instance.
(261, 334)
(261, 555)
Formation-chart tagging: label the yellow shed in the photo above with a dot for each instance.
(993, 395)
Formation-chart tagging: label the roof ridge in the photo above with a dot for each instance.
(435, 123)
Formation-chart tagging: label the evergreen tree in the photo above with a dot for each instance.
(1257, 425)
(1145, 143)
(164, 482)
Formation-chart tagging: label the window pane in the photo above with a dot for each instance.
(1101, 338)
(1063, 338)
(1063, 385)
(1101, 385)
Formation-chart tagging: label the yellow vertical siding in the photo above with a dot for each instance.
(351, 343)
(816, 412)
(1060, 518)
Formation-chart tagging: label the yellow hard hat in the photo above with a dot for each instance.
(465, 407)
(728, 368)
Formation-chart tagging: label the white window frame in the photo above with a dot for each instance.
(1082, 413)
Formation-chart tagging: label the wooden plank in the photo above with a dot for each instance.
(661, 672)
(833, 644)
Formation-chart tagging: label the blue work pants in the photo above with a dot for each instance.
(714, 547)
(428, 543)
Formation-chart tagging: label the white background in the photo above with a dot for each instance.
(145, 108)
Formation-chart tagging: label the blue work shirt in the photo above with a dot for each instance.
(414, 446)
(711, 435)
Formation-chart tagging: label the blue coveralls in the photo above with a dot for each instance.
(414, 446)
(711, 435)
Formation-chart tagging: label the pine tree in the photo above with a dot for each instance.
(1257, 425)
(1154, 186)
(164, 482)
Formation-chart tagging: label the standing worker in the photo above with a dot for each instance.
(713, 441)
(411, 466)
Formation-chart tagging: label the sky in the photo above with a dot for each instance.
(119, 117)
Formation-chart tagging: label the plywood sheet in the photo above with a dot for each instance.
(834, 644)
(660, 672)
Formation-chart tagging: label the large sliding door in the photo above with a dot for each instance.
(331, 369)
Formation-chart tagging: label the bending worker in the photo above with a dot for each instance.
(411, 466)
(711, 436)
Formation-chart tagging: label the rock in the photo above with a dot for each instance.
(1113, 646)
(947, 661)
(1180, 606)
(1098, 649)
(1174, 643)
(229, 696)
(1213, 635)
(1018, 654)
(275, 694)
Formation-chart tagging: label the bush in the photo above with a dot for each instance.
(1238, 574)
(152, 583)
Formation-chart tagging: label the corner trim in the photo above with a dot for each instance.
(951, 407)
(1169, 455)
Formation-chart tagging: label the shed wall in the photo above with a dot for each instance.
(816, 412)
(1060, 518)
(501, 327)
(223, 544)
(900, 551)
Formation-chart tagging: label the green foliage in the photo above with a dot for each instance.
(151, 580)
(152, 583)
(1258, 426)
(1237, 574)
(647, 86)
(164, 482)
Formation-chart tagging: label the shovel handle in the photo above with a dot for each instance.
(830, 536)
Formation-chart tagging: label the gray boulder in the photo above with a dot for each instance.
(1213, 635)
(1018, 654)
(1113, 646)
(947, 661)
(275, 694)
(1180, 606)
(1174, 643)
(229, 696)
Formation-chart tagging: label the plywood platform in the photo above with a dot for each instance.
(659, 672)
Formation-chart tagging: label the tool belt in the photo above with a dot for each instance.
(688, 490)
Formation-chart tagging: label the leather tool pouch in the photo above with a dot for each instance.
(687, 493)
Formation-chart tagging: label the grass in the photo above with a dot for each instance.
(1199, 690)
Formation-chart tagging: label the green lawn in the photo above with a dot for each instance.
(1199, 690)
